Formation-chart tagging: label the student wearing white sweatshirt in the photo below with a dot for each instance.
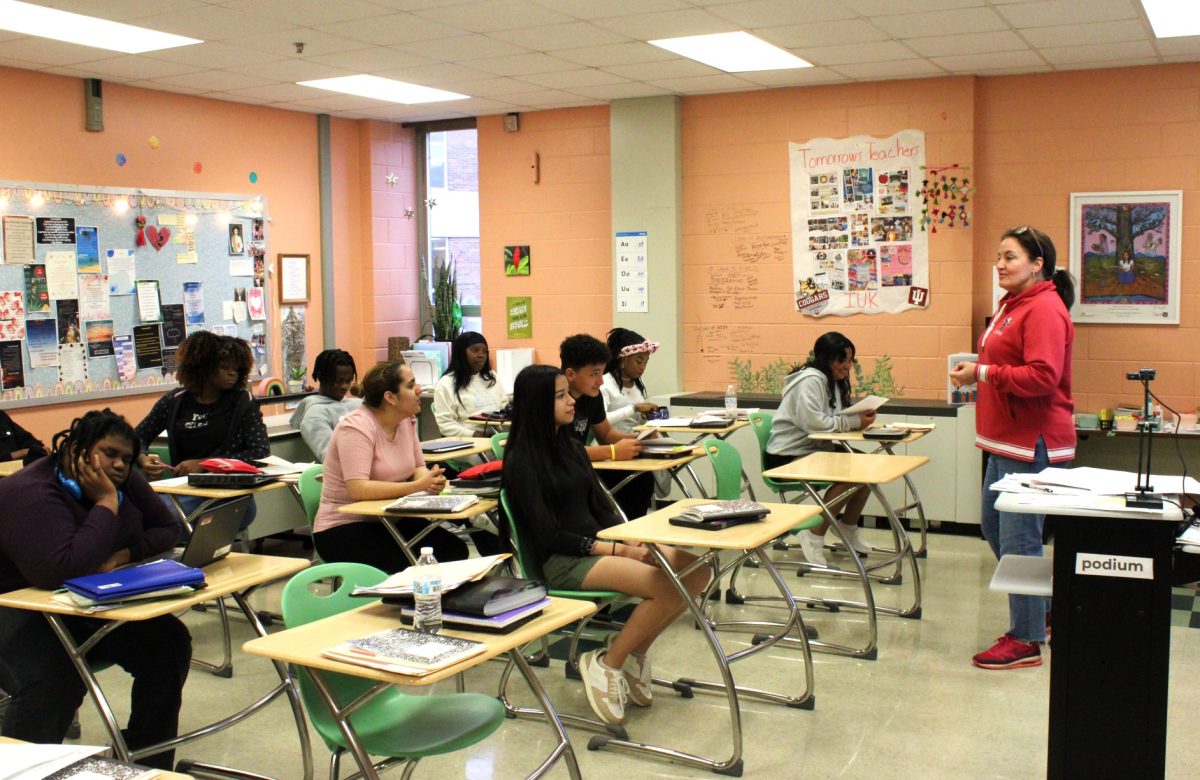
(467, 387)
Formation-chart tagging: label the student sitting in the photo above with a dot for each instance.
(210, 416)
(623, 391)
(81, 511)
(583, 360)
(374, 454)
(467, 387)
(813, 396)
(317, 415)
(554, 494)
(16, 443)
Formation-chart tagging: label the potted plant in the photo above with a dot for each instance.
(296, 380)
(447, 313)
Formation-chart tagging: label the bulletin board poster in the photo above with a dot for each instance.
(632, 277)
(856, 245)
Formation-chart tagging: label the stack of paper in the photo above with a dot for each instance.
(868, 404)
(90, 606)
(454, 573)
(278, 467)
(402, 651)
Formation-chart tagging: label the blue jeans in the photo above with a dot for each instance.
(1014, 533)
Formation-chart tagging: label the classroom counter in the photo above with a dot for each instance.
(770, 401)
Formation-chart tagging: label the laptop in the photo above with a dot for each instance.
(232, 479)
(213, 534)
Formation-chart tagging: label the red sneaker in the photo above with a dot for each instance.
(1009, 653)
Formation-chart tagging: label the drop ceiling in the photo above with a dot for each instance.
(522, 55)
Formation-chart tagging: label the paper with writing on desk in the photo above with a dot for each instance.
(868, 404)
(1111, 482)
(33, 762)
(454, 573)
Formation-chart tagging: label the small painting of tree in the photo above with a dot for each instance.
(1125, 253)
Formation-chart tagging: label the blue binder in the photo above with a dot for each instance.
(135, 580)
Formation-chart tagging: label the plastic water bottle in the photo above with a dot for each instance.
(427, 594)
(731, 400)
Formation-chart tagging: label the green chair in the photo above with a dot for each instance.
(498, 444)
(727, 466)
(761, 423)
(310, 497)
(401, 727)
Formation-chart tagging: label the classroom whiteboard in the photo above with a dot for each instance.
(71, 255)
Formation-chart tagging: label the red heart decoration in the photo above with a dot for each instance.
(158, 237)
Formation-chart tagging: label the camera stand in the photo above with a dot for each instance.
(1143, 496)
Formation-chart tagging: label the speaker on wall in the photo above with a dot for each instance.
(93, 105)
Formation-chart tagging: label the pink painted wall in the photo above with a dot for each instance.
(565, 219)
(44, 141)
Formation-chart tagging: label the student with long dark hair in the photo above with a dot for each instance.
(813, 398)
(373, 454)
(211, 414)
(560, 506)
(1025, 416)
(81, 511)
(467, 387)
(318, 414)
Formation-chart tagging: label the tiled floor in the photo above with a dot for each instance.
(919, 711)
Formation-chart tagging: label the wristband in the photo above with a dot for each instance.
(612, 449)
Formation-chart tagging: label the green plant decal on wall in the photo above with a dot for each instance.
(769, 378)
(878, 382)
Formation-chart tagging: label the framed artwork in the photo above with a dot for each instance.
(1125, 256)
(293, 278)
(516, 261)
(237, 238)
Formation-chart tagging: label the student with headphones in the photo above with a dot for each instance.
(81, 511)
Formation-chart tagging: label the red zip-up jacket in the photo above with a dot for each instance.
(1025, 377)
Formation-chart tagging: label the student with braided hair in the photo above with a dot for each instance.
(317, 415)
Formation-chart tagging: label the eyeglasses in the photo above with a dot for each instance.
(1033, 233)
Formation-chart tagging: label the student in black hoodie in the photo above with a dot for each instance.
(16, 443)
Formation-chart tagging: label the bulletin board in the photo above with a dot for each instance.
(82, 266)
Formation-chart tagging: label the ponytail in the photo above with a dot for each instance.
(1064, 285)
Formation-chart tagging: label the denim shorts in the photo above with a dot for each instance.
(567, 572)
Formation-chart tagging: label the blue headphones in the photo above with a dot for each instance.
(73, 488)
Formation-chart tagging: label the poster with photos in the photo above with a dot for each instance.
(854, 246)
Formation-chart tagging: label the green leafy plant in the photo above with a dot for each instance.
(768, 379)
(879, 381)
(446, 311)
(297, 374)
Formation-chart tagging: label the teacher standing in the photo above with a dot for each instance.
(1025, 414)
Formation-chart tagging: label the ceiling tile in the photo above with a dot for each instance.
(42, 51)
(1081, 34)
(967, 63)
(883, 71)
(671, 24)
(881, 7)
(1048, 13)
(543, 98)
(213, 23)
(282, 43)
(492, 15)
(571, 35)
(606, 9)
(1073, 55)
(775, 13)
(208, 81)
(793, 78)
(880, 51)
(617, 54)
(570, 79)
(213, 55)
(131, 67)
(1175, 47)
(309, 13)
(830, 34)
(435, 74)
(672, 69)
(628, 89)
(489, 87)
(291, 70)
(462, 48)
(178, 89)
(372, 60)
(962, 20)
(698, 85)
(119, 10)
(522, 64)
(1118, 62)
(392, 30)
(334, 102)
(277, 93)
(946, 45)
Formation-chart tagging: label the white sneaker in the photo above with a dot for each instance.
(813, 547)
(854, 536)
(606, 688)
(637, 677)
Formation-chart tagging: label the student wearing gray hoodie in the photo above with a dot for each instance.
(317, 415)
(813, 397)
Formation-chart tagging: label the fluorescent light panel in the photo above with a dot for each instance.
(383, 89)
(29, 19)
(1173, 18)
(735, 52)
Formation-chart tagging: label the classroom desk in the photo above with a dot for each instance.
(479, 447)
(847, 440)
(302, 646)
(389, 519)
(235, 576)
(654, 531)
(870, 470)
(158, 774)
(1112, 639)
(10, 467)
(639, 466)
(488, 427)
(170, 488)
(698, 435)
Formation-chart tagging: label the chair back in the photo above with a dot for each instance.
(498, 444)
(761, 423)
(300, 606)
(526, 559)
(727, 466)
(310, 491)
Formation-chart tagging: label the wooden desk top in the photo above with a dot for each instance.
(235, 573)
(655, 527)
(211, 493)
(376, 509)
(479, 447)
(500, 425)
(912, 436)
(728, 429)
(648, 464)
(10, 467)
(856, 468)
(160, 774)
(303, 645)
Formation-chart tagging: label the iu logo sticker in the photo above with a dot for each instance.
(918, 296)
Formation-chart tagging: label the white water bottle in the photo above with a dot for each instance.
(427, 594)
(731, 400)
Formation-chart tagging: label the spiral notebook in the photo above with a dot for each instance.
(403, 651)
